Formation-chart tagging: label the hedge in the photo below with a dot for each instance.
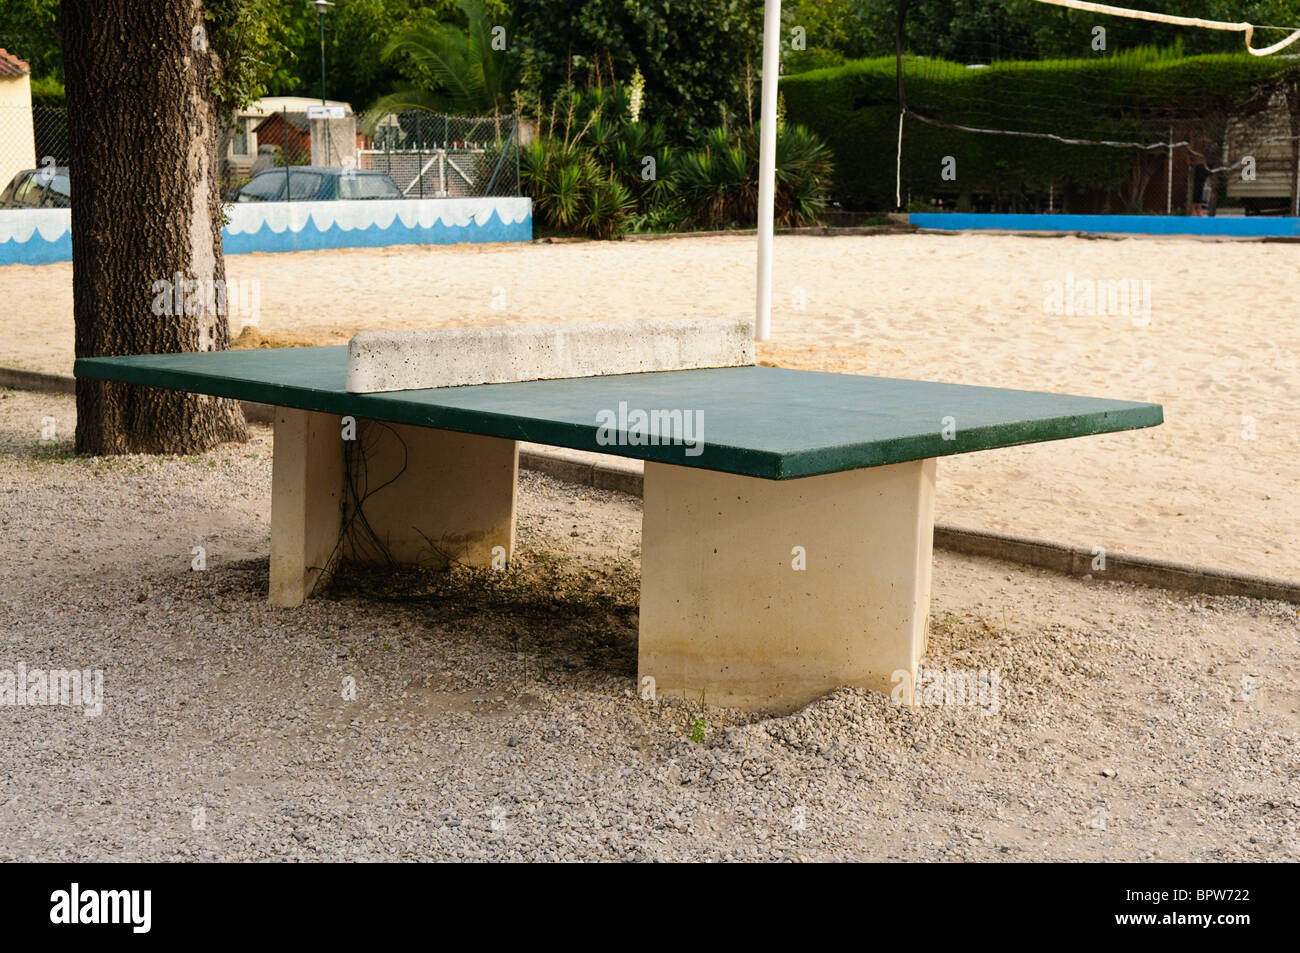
(1136, 96)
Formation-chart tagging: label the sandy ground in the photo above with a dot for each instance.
(1219, 348)
(495, 716)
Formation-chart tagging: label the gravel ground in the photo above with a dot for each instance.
(495, 716)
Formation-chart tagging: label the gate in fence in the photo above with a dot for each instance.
(434, 156)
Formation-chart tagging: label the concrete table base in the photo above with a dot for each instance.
(428, 497)
(758, 594)
(432, 497)
(764, 594)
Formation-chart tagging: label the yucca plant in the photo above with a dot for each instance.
(718, 180)
(715, 183)
(609, 204)
(572, 193)
(627, 155)
(586, 171)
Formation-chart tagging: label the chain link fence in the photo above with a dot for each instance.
(255, 144)
(427, 155)
(34, 139)
(434, 156)
(50, 134)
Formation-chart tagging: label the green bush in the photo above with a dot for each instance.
(1136, 96)
(48, 91)
(571, 193)
(692, 53)
(593, 172)
(718, 181)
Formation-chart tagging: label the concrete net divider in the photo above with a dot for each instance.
(382, 361)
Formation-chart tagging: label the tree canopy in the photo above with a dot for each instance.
(697, 56)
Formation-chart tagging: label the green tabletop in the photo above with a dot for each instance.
(765, 422)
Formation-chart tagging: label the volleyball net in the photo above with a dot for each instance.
(1089, 107)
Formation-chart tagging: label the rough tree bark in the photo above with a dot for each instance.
(142, 132)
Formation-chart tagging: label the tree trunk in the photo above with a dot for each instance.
(142, 131)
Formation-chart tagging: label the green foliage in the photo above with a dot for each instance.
(692, 53)
(572, 193)
(835, 31)
(626, 153)
(48, 91)
(240, 33)
(699, 730)
(984, 31)
(1036, 30)
(804, 175)
(594, 172)
(1131, 97)
(456, 68)
(29, 29)
(356, 32)
(588, 150)
(718, 181)
(715, 183)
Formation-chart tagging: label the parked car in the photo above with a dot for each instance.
(47, 187)
(312, 183)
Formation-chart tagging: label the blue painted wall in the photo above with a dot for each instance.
(1246, 227)
(43, 236)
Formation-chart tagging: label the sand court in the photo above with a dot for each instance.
(1211, 332)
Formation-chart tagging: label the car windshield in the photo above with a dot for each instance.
(264, 187)
(28, 191)
(304, 185)
(366, 187)
(8, 193)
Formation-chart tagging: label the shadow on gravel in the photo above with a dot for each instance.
(563, 615)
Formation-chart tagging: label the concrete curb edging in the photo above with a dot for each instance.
(1077, 561)
(16, 378)
(579, 469)
(898, 227)
(575, 468)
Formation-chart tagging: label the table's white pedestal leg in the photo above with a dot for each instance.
(306, 501)
(725, 613)
(430, 497)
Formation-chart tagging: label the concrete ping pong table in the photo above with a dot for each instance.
(790, 555)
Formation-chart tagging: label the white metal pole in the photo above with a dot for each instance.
(767, 167)
(898, 167)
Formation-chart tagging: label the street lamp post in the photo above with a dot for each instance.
(322, 7)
